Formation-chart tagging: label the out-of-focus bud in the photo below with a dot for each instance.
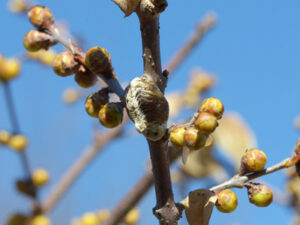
(227, 201)
(89, 219)
(64, 64)
(35, 40)
(44, 56)
(132, 216)
(18, 219)
(71, 95)
(254, 160)
(194, 139)
(102, 215)
(98, 60)
(18, 6)
(206, 122)
(40, 177)
(214, 106)
(84, 77)
(40, 220)
(9, 69)
(4, 137)
(18, 142)
(260, 195)
(95, 101)
(176, 136)
(111, 115)
(41, 17)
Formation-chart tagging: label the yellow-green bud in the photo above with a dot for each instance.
(111, 115)
(260, 195)
(254, 160)
(40, 220)
(95, 101)
(4, 137)
(40, 177)
(194, 139)
(132, 216)
(97, 60)
(18, 219)
(214, 106)
(206, 122)
(176, 136)
(64, 64)
(89, 219)
(35, 40)
(18, 142)
(9, 69)
(40, 17)
(84, 77)
(227, 201)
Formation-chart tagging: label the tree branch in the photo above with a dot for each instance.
(204, 26)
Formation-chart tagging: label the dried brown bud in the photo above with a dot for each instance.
(95, 101)
(213, 106)
(25, 187)
(64, 64)
(18, 219)
(35, 40)
(40, 17)
(84, 77)
(297, 151)
(98, 60)
(111, 115)
(227, 201)
(194, 139)
(260, 195)
(206, 122)
(254, 160)
(147, 107)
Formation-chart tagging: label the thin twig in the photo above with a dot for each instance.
(16, 130)
(240, 181)
(69, 177)
(204, 26)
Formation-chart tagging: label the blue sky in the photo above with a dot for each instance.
(254, 52)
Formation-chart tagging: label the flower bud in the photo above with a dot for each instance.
(18, 6)
(132, 217)
(89, 219)
(98, 60)
(84, 77)
(194, 139)
(40, 220)
(260, 195)
(40, 177)
(18, 142)
(176, 136)
(25, 186)
(35, 40)
(64, 64)
(4, 137)
(9, 69)
(103, 215)
(111, 115)
(95, 101)
(18, 219)
(254, 160)
(206, 122)
(40, 17)
(227, 201)
(213, 106)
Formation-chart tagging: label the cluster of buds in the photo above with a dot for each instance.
(9, 68)
(195, 136)
(16, 142)
(110, 114)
